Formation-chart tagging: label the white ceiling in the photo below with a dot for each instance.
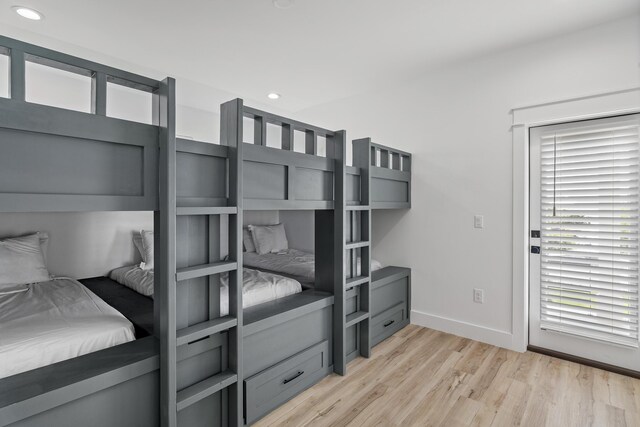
(315, 52)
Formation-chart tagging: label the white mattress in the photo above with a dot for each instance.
(53, 321)
(258, 286)
(291, 261)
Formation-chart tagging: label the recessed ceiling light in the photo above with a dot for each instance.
(27, 12)
(273, 95)
(283, 4)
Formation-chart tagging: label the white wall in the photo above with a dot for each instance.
(82, 244)
(456, 122)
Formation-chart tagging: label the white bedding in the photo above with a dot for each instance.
(290, 261)
(258, 286)
(53, 321)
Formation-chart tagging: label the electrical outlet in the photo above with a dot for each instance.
(478, 295)
(478, 221)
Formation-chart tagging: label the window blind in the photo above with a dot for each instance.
(589, 230)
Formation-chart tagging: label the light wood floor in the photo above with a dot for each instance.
(424, 377)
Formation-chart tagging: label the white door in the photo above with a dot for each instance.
(584, 228)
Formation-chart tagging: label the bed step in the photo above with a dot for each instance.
(205, 270)
(356, 317)
(204, 329)
(356, 281)
(356, 245)
(198, 391)
(357, 207)
(204, 210)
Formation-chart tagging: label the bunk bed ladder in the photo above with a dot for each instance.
(358, 247)
(190, 353)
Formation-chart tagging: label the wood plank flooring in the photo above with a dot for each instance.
(422, 377)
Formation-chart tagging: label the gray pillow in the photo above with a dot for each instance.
(247, 239)
(22, 261)
(269, 238)
(147, 250)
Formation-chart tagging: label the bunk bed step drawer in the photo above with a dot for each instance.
(206, 210)
(275, 385)
(204, 329)
(193, 394)
(356, 245)
(387, 323)
(356, 281)
(356, 317)
(205, 270)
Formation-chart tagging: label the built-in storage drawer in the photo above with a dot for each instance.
(279, 383)
(390, 301)
(387, 323)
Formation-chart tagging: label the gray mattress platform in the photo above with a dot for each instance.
(132, 305)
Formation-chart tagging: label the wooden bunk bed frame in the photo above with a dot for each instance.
(200, 367)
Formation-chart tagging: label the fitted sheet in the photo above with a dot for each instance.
(52, 321)
(292, 262)
(258, 286)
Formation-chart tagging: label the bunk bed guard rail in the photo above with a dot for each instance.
(55, 159)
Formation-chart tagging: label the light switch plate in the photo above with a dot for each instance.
(478, 221)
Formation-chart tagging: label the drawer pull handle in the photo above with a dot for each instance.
(293, 377)
(389, 323)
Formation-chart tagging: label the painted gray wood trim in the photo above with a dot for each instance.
(339, 319)
(204, 329)
(202, 148)
(231, 128)
(390, 205)
(355, 318)
(272, 314)
(389, 149)
(276, 156)
(362, 161)
(280, 120)
(265, 205)
(73, 379)
(394, 175)
(205, 270)
(165, 271)
(17, 84)
(389, 274)
(99, 94)
(217, 210)
(74, 63)
(205, 388)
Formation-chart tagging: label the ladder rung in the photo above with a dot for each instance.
(355, 281)
(357, 207)
(205, 388)
(356, 317)
(204, 210)
(355, 245)
(204, 329)
(205, 270)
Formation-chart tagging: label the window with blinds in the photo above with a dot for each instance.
(589, 230)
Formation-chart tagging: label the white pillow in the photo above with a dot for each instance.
(269, 238)
(247, 239)
(22, 261)
(144, 242)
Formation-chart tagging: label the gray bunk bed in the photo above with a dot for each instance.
(198, 367)
(57, 160)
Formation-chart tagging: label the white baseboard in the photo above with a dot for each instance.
(464, 329)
